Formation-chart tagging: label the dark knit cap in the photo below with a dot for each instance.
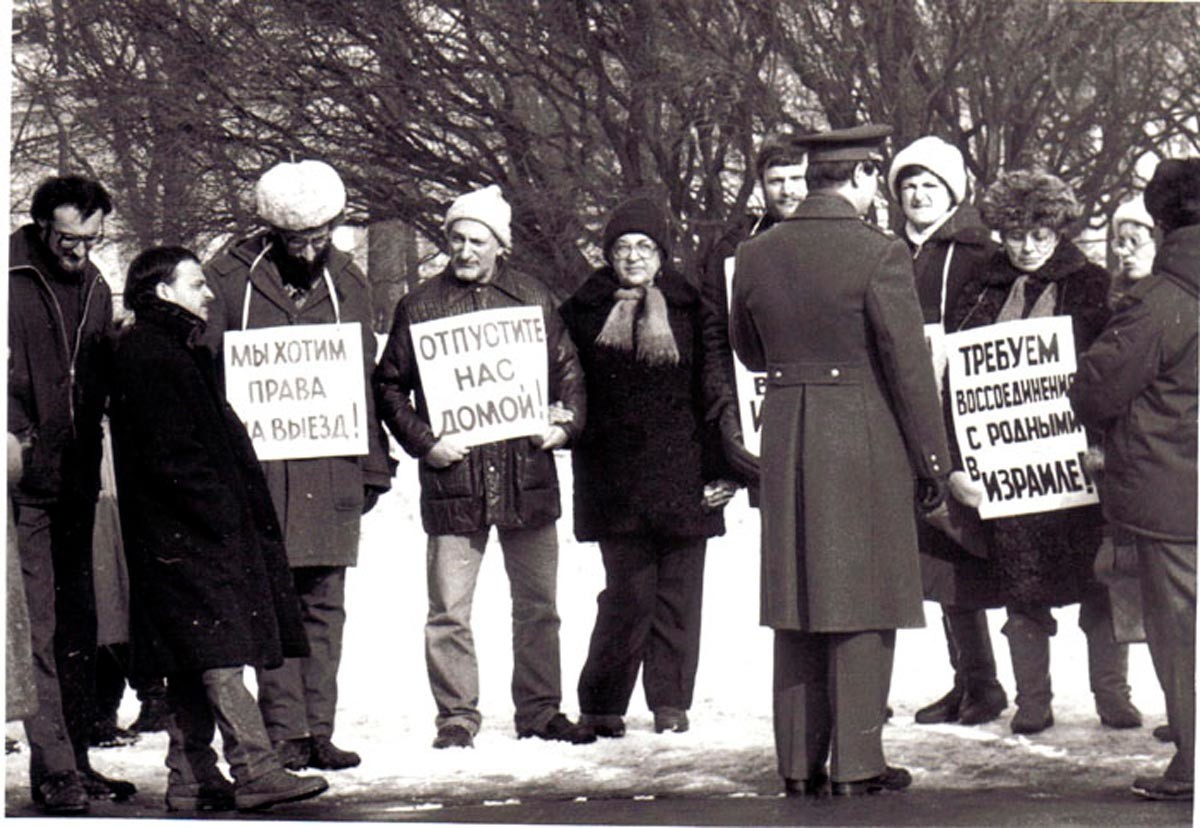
(640, 214)
(1173, 195)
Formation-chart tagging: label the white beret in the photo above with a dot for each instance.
(939, 157)
(486, 206)
(1133, 210)
(300, 196)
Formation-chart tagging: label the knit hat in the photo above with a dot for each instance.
(640, 214)
(939, 157)
(1133, 210)
(300, 196)
(486, 206)
(1173, 194)
(1028, 198)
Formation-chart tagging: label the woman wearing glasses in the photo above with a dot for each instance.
(1133, 243)
(646, 470)
(1044, 560)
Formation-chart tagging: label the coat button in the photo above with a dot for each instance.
(308, 495)
(833, 372)
(777, 374)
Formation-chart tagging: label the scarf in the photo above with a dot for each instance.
(638, 322)
(1014, 305)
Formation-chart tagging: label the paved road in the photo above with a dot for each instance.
(1068, 802)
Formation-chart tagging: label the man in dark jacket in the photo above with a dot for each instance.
(949, 245)
(1138, 384)
(779, 170)
(209, 582)
(825, 304)
(60, 324)
(511, 484)
(291, 274)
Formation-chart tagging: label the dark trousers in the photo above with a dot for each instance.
(299, 698)
(1168, 575)
(830, 700)
(55, 544)
(648, 616)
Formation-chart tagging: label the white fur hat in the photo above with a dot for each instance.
(487, 206)
(1133, 210)
(300, 196)
(939, 157)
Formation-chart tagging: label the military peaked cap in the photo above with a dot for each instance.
(860, 143)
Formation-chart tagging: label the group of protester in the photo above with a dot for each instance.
(237, 562)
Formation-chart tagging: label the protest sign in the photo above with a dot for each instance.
(299, 389)
(1014, 424)
(484, 374)
(751, 386)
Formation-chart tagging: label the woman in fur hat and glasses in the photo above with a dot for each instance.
(1045, 559)
(647, 469)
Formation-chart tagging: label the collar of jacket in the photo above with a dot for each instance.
(504, 281)
(1065, 260)
(599, 287)
(824, 204)
(1180, 256)
(963, 227)
(266, 276)
(176, 320)
(25, 252)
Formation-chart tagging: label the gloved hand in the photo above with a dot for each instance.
(370, 497)
(931, 493)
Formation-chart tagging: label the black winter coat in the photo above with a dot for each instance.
(511, 483)
(1043, 559)
(1138, 383)
(720, 387)
(209, 580)
(641, 464)
(57, 379)
(949, 574)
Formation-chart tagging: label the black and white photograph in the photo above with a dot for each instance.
(646, 412)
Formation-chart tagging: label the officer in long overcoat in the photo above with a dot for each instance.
(825, 304)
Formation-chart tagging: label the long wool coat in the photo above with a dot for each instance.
(1043, 559)
(209, 580)
(951, 575)
(319, 500)
(642, 461)
(825, 304)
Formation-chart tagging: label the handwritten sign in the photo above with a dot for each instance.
(751, 386)
(484, 374)
(299, 389)
(1014, 424)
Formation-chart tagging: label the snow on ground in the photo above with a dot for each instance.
(386, 711)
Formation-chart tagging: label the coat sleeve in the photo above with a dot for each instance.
(1118, 365)
(743, 335)
(895, 317)
(565, 371)
(395, 382)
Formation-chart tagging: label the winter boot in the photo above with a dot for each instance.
(325, 755)
(1108, 669)
(945, 709)
(983, 698)
(276, 787)
(1029, 644)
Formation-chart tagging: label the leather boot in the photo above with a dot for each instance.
(983, 697)
(1108, 669)
(1029, 644)
(946, 708)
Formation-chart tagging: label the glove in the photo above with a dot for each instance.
(370, 498)
(931, 493)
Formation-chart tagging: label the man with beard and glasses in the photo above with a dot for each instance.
(289, 273)
(60, 325)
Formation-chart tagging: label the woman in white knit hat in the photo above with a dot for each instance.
(949, 245)
(1132, 241)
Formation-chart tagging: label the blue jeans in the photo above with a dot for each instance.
(452, 568)
(202, 702)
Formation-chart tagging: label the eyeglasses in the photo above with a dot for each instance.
(1040, 236)
(644, 249)
(68, 241)
(1129, 244)
(299, 242)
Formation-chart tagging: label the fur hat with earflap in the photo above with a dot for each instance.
(939, 157)
(1173, 194)
(1024, 199)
